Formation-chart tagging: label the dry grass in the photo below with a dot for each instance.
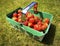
(11, 37)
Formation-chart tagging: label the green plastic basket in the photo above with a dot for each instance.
(31, 31)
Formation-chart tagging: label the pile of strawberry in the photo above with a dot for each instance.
(31, 20)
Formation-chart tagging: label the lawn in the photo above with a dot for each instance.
(11, 37)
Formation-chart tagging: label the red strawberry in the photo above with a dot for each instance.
(44, 26)
(15, 18)
(36, 18)
(25, 23)
(39, 22)
(19, 11)
(31, 20)
(15, 14)
(37, 27)
(27, 14)
(46, 20)
(19, 20)
(19, 14)
(30, 24)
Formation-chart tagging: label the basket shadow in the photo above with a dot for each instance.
(49, 37)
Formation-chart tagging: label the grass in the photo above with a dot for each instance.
(11, 37)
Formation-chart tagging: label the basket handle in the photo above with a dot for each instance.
(28, 7)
